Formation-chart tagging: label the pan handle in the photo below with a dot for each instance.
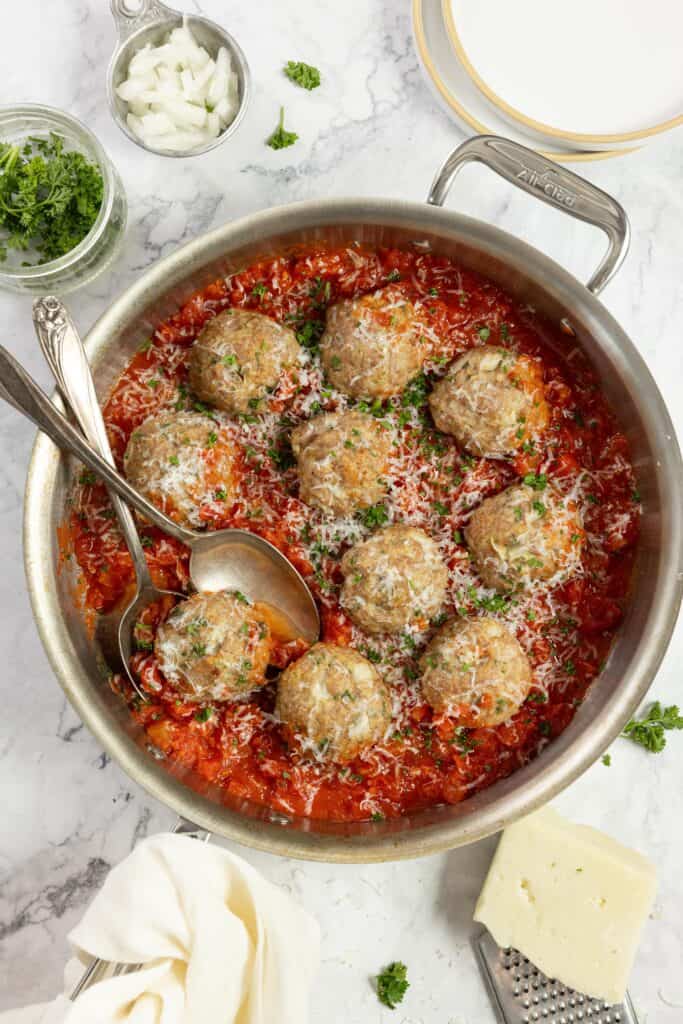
(548, 181)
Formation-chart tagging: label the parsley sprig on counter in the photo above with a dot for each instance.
(392, 984)
(49, 198)
(281, 138)
(302, 74)
(649, 731)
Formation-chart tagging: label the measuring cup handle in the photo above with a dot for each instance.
(129, 16)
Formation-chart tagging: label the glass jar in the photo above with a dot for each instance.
(102, 243)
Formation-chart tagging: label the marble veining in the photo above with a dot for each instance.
(373, 129)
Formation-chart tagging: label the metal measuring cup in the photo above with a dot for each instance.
(150, 21)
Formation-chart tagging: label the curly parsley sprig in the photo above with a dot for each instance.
(649, 731)
(302, 74)
(281, 139)
(392, 984)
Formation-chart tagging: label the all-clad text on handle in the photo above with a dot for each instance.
(550, 182)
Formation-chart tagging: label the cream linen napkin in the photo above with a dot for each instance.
(218, 944)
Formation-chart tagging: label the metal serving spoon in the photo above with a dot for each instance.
(65, 354)
(224, 560)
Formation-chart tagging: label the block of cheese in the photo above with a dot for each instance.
(569, 898)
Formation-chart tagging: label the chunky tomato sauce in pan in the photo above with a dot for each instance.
(566, 630)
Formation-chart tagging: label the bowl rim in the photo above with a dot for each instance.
(576, 748)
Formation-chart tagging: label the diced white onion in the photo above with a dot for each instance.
(178, 97)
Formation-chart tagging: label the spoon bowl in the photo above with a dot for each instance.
(150, 21)
(221, 559)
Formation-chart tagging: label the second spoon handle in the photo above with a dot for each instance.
(62, 346)
(21, 391)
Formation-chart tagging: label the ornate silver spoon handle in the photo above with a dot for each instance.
(21, 391)
(65, 354)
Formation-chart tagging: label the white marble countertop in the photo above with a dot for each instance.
(68, 812)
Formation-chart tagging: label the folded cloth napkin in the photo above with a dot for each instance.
(218, 944)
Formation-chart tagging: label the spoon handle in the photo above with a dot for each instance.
(65, 354)
(21, 391)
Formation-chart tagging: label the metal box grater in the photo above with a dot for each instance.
(521, 994)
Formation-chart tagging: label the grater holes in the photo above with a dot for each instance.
(527, 996)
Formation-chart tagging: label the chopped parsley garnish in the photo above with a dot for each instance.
(281, 139)
(282, 456)
(204, 714)
(372, 655)
(220, 494)
(259, 290)
(302, 74)
(649, 731)
(376, 816)
(211, 439)
(440, 508)
(309, 332)
(87, 477)
(416, 392)
(606, 760)
(392, 984)
(174, 460)
(241, 597)
(49, 198)
(376, 515)
(495, 603)
(538, 482)
(545, 728)
(484, 333)
(394, 275)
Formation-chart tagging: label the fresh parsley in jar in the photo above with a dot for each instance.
(49, 198)
(62, 204)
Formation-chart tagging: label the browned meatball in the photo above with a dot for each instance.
(491, 400)
(238, 357)
(342, 459)
(335, 702)
(214, 647)
(371, 346)
(394, 578)
(523, 535)
(181, 461)
(476, 670)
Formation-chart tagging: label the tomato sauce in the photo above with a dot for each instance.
(566, 632)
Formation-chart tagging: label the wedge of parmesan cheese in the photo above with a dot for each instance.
(571, 899)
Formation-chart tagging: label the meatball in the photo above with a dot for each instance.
(523, 535)
(238, 357)
(342, 458)
(334, 701)
(394, 578)
(214, 647)
(371, 346)
(491, 400)
(181, 461)
(477, 670)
